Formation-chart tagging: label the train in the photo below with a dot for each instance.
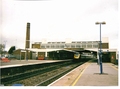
(81, 57)
(77, 56)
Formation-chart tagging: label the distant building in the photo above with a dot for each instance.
(72, 44)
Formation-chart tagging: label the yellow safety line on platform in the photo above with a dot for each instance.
(80, 75)
(112, 66)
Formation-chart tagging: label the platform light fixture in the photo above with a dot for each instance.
(101, 70)
(100, 23)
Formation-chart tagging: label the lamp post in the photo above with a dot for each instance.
(101, 70)
(98, 54)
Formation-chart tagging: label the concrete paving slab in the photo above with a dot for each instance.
(92, 76)
(70, 77)
(88, 74)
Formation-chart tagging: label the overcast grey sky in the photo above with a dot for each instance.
(57, 20)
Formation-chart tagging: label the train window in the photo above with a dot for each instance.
(76, 55)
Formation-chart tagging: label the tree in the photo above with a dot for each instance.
(2, 47)
(11, 50)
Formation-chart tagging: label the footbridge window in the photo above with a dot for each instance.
(89, 46)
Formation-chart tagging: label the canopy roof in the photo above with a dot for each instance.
(49, 50)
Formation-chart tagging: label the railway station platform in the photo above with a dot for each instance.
(16, 63)
(88, 74)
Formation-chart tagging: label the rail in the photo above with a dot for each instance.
(50, 80)
(21, 76)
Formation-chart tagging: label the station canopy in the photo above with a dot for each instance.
(49, 50)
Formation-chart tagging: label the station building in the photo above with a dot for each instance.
(93, 46)
(62, 50)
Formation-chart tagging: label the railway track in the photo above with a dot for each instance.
(50, 80)
(40, 77)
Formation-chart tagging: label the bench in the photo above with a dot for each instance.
(5, 60)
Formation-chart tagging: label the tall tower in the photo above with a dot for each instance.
(27, 45)
(27, 42)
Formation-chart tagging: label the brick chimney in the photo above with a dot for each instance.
(27, 45)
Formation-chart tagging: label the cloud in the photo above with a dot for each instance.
(102, 6)
(57, 20)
